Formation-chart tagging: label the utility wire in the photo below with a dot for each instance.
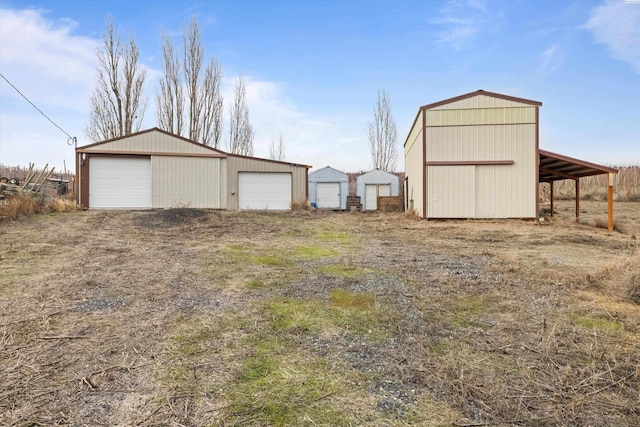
(34, 106)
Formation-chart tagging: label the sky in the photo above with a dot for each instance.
(313, 69)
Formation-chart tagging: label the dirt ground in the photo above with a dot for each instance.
(190, 317)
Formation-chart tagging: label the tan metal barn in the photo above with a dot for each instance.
(477, 156)
(156, 169)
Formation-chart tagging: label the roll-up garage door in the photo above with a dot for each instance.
(264, 190)
(328, 195)
(120, 182)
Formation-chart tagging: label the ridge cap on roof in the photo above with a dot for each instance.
(480, 92)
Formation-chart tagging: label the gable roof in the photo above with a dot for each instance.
(215, 152)
(481, 92)
(155, 129)
(328, 168)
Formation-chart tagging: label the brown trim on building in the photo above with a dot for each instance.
(152, 153)
(269, 160)
(424, 163)
(84, 180)
(537, 155)
(481, 124)
(583, 163)
(481, 92)
(411, 128)
(215, 150)
(469, 162)
(155, 129)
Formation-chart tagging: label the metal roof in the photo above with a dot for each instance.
(556, 167)
(481, 92)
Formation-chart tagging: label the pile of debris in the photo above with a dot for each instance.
(32, 185)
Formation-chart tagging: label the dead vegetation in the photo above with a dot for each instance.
(22, 205)
(195, 317)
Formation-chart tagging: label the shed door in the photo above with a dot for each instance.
(371, 193)
(328, 195)
(120, 182)
(262, 190)
(451, 192)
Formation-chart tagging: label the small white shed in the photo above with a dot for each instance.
(329, 188)
(371, 185)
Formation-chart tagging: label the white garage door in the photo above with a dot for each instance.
(259, 190)
(328, 195)
(116, 182)
(372, 191)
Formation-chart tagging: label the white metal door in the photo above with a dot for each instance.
(264, 190)
(120, 182)
(451, 192)
(371, 193)
(328, 195)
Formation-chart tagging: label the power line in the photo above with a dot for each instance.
(34, 106)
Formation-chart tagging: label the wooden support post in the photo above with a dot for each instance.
(551, 196)
(577, 181)
(610, 200)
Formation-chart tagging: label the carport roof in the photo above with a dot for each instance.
(556, 167)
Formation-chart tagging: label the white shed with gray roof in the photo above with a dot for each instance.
(329, 188)
(376, 183)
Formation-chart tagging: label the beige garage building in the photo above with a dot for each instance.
(156, 169)
(477, 156)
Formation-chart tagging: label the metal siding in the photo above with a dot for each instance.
(186, 182)
(480, 101)
(413, 165)
(451, 192)
(377, 177)
(328, 174)
(493, 142)
(153, 142)
(415, 133)
(481, 116)
(240, 164)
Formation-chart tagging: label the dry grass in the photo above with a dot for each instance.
(626, 188)
(62, 205)
(23, 205)
(192, 317)
(19, 205)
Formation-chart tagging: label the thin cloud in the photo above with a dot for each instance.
(307, 137)
(461, 21)
(616, 24)
(550, 60)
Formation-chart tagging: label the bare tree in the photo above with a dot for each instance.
(277, 151)
(383, 135)
(170, 100)
(117, 107)
(240, 130)
(200, 102)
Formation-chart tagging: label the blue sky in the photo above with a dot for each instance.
(314, 68)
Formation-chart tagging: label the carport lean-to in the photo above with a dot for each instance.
(556, 167)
